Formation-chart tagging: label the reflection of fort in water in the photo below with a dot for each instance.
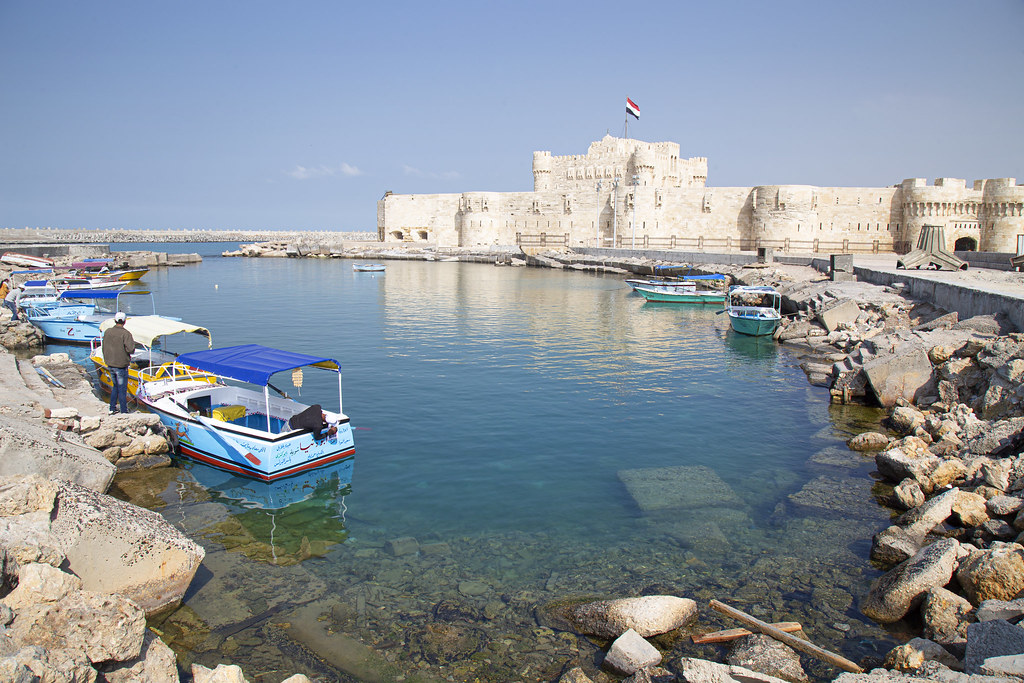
(595, 199)
(542, 314)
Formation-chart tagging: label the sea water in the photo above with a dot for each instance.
(524, 438)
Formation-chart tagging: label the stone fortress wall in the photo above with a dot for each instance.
(593, 199)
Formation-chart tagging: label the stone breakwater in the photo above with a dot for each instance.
(14, 236)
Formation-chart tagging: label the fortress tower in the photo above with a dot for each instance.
(1001, 214)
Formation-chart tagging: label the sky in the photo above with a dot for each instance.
(300, 115)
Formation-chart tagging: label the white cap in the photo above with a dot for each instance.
(120, 317)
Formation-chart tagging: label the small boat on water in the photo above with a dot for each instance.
(368, 267)
(755, 311)
(73, 283)
(151, 334)
(13, 258)
(681, 295)
(241, 429)
(76, 315)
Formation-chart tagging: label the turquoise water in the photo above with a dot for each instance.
(510, 421)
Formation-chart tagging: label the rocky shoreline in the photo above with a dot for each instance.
(950, 466)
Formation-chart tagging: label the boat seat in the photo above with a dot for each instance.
(228, 413)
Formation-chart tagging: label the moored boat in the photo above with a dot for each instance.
(681, 295)
(151, 333)
(755, 311)
(13, 258)
(241, 429)
(368, 267)
(76, 315)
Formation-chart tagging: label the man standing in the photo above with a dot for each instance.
(118, 345)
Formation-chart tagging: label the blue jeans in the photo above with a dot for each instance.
(14, 308)
(119, 389)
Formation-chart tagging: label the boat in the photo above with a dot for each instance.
(755, 311)
(73, 283)
(130, 274)
(681, 295)
(13, 258)
(239, 428)
(368, 267)
(151, 333)
(76, 315)
(673, 283)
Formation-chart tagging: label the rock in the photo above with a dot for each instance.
(987, 639)
(868, 441)
(894, 545)
(630, 652)
(1006, 667)
(26, 448)
(947, 472)
(922, 519)
(901, 589)
(970, 509)
(575, 675)
(905, 419)
(989, 610)
(155, 664)
(39, 582)
(910, 656)
(32, 663)
(27, 537)
(224, 673)
(904, 376)
(1003, 506)
(21, 493)
(993, 574)
(994, 438)
(403, 546)
(116, 547)
(945, 616)
(104, 627)
(896, 465)
(766, 655)
(841, 313)
(908, 494)
(702, 671)
(648, 615)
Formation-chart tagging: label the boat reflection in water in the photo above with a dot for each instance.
(281, 522)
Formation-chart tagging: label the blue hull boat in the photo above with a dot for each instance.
(240, 429)
(76, 316)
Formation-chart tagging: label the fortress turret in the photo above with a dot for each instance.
(947, 203)
(541, 171)
(1002, 214)
(783, 211)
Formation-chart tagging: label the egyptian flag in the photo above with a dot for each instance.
(632, 109)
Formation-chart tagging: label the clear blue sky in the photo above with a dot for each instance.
(300, 115)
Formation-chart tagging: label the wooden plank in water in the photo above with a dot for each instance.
(782, 637)
(734, 633)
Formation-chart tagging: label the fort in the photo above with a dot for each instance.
(629, 193)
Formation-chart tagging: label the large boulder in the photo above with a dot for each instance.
(155, 664)
(899, 376)
(766, 655)
(987, 639)
(104, 627)
(901, 589)
(912, 655)
(945, 616)
(996, 573)
(648, 615)
(27, 448)
(116, 547)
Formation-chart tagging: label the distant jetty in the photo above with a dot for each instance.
(16, 237)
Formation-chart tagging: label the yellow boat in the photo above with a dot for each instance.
(131, 275)
(149, 332)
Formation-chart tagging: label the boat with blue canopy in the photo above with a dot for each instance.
(75, 316)
(242, 429)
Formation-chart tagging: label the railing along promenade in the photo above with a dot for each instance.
(785, 246)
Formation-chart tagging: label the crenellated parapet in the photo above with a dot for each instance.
(644, 192)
